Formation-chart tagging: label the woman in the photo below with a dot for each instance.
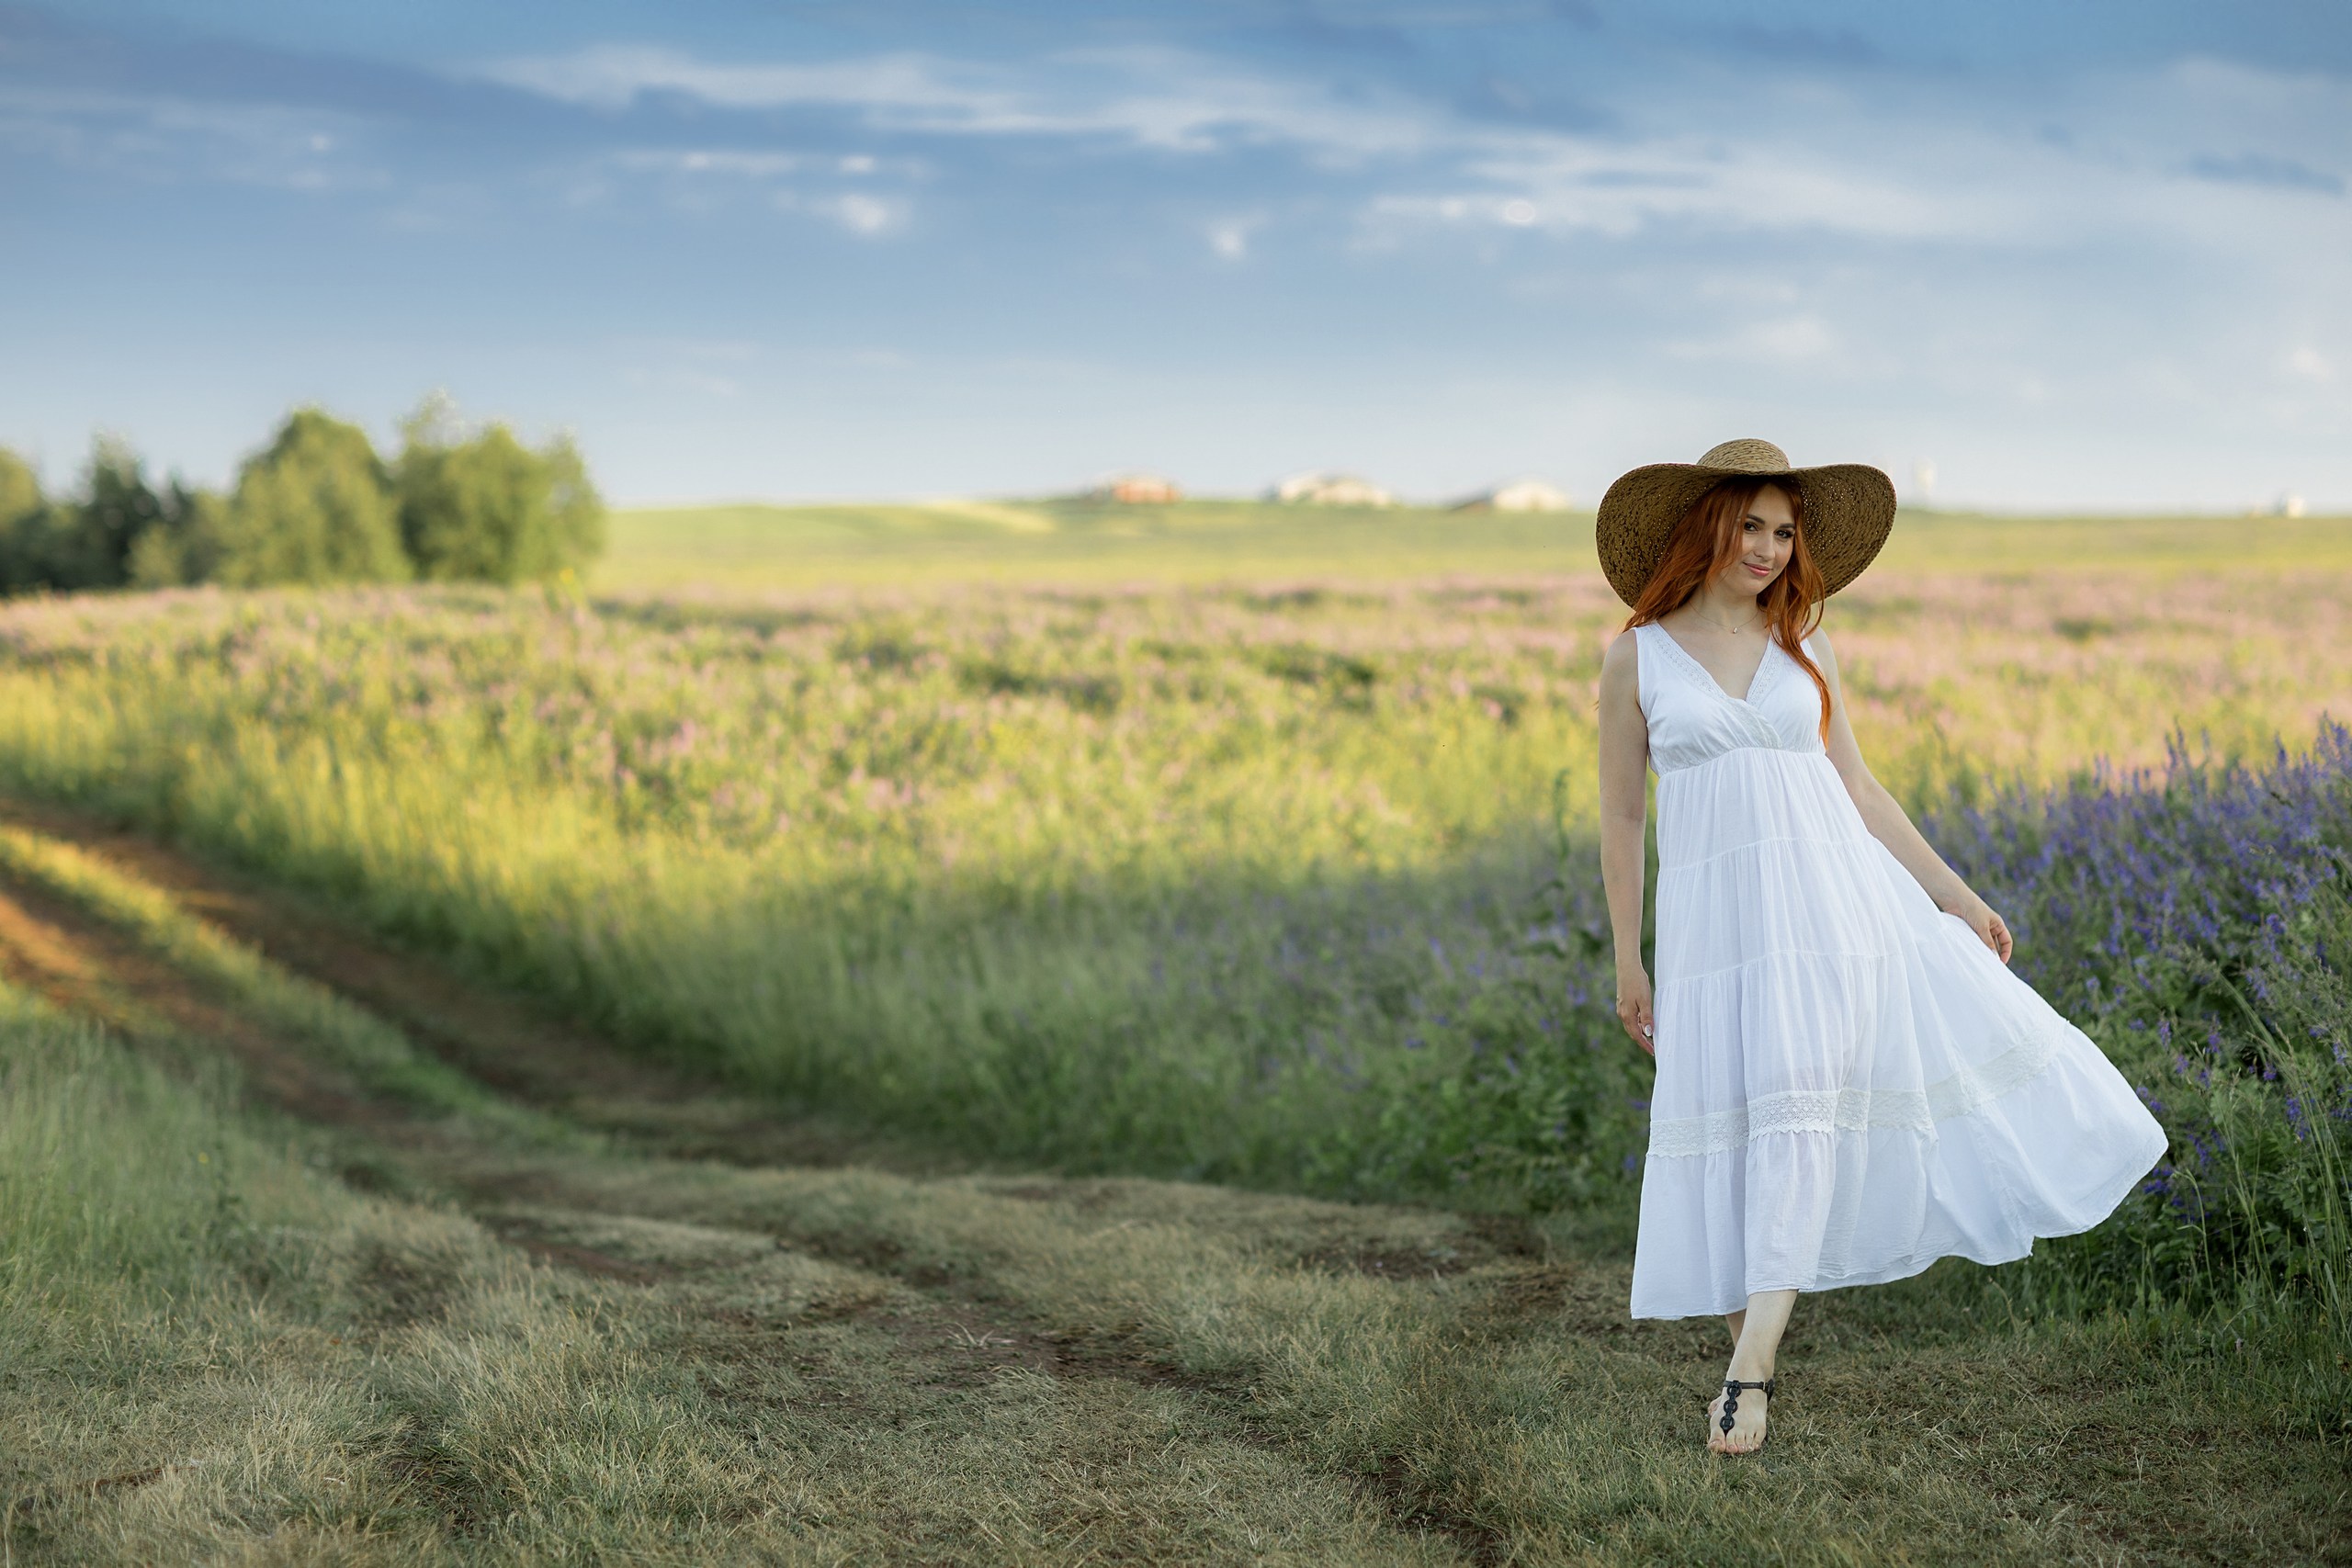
(1850, 1085)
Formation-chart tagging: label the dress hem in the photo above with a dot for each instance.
(2107, 1200)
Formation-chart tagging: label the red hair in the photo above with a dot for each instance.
(1707, 540)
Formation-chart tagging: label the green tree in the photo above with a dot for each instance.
(19, 490)
(125, 531)
(27, 527)
(185, 547)
(91, 542)
(315, 506)
(118, 505)
(488, 507)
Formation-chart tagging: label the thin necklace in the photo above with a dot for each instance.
(1733, 631)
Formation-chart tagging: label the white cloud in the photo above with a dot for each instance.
(2309, 363)
(1229, 237)
(615, 76)
(867, 216)
(1161, 99)
(162, 137)
(863, 214)
(1912, 161)
(715, 161)
(1780, 340)
(860, 212)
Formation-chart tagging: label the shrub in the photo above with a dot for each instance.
(2196, 920)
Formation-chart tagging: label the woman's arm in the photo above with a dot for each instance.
(1624, 812)
(1890, 826)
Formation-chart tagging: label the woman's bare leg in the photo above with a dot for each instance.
(1756, 1335)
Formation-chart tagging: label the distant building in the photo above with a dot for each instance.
(1137, 489)
(1524, 495)
(2288, 505)
(1320, 489)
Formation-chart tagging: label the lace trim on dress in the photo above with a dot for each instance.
(1705, 676)
(1855, 1110)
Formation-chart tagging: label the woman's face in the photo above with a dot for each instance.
(1767, 535)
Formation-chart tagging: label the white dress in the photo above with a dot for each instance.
(1850, 1085)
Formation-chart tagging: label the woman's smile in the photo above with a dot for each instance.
(1767, 538)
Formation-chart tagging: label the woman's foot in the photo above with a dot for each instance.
(1747, 1433)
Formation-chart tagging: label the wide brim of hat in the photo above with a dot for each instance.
(1849, 512)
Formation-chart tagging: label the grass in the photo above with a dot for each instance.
(855, 894)
(216, 1351)
(1284, 886)
(946, 542)
(587, 1348)
(749, 547)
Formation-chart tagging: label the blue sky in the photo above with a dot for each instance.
(2086, 254)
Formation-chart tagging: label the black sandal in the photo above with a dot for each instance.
(1731, 1400)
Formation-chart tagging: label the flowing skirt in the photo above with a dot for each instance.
(1850, 1085)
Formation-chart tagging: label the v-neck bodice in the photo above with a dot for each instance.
(1754, 678)
(1693, 719)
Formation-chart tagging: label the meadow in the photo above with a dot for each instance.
(1046, 838)
(754, 547)
(1223, 881)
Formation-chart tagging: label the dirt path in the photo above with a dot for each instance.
(520, 1050)
(840, 1321)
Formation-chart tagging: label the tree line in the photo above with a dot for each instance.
(318, 504)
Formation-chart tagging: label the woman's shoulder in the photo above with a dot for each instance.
(1625, 647)
(1620, 661)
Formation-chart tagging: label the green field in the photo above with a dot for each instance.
(1015, 541)
(1049, 1034)
(760, 547)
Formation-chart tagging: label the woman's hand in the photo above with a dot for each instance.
(1990, 929)
(1637, 1010)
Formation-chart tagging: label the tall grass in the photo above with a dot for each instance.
(120, 1182)
(1148, 883)
(1279, 885)
(1287, 886)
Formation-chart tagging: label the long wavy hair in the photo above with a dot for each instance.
(1707, 540)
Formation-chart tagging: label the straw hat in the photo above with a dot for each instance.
(1848, 508)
